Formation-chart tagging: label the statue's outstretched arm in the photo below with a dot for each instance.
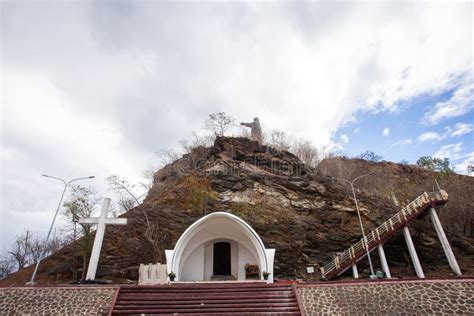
(246, 124)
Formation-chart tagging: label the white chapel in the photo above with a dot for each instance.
(219, 245)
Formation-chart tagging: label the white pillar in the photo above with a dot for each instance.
(270, 254)
(444, 242)
(355, 273)
(169, 261)
(413, 255)
(383, 260)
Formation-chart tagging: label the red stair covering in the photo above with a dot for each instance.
(208, 299)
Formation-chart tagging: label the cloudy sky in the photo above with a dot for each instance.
(96, 88)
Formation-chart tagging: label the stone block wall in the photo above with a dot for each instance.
(421, 297)
(56, 300)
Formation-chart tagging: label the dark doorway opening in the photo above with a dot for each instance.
(221, 258)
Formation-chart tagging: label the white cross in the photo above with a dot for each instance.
(99, 235)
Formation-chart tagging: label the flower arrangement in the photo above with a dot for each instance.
(265, 275)
(172, 275)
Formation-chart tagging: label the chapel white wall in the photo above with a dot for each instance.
(193, 268)
(244, 257)
(208, 261)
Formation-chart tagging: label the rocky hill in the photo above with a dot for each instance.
(302, 213)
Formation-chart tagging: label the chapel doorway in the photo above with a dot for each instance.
(222, 259)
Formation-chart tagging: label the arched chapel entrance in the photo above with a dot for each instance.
(222, 259)
(219, 246)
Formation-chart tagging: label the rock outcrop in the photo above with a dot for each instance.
(306, 216)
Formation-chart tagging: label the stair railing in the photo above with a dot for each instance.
(406, 214)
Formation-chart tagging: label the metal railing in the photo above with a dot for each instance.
(408, 212)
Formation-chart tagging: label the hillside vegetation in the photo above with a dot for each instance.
(298, 210)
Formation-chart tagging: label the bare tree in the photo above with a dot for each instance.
(7, 266)
(195, 141)
(149, 174)
(370, 156)
(152, 233)
(155, 237)
(277, 139)
(59, 239)
(27, 249)
(310, 154)
(219, 123)
(20, 249)
(124, 191)
(35, 247)
(307, 152)
(470, 169)
(165, 157)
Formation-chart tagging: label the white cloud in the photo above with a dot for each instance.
(467, 160)
(451, 151)
(386, 131)
(406, 141)
(460, 129)
(344, 138)
(459, 157)
(222, 65)
(459, 104)
(356, 130)
(120, 80)
(429, 136)
(58, 139)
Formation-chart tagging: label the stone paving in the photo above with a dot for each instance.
(454, 297)
(56, 301)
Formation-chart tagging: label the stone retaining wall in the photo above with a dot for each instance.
(56, 300)
(389, 297)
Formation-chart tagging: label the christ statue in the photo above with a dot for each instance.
(255, 130)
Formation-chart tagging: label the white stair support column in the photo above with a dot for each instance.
(355, 273)
(413, 255)
(383, 260)
(99, 235)
(444, 242)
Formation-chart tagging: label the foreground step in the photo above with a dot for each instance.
(207, 305)
(208, 299)
(208, 310)
(217, 313)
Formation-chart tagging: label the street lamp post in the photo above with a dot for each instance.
(66, 184)
(351, 183)
(75, 219)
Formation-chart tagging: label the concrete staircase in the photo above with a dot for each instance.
(208, 299)
(415, 209)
